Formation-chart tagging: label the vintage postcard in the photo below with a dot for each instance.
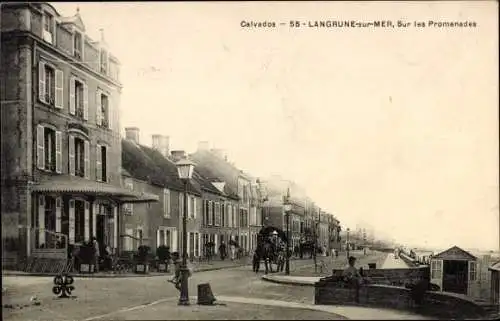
(269, 160)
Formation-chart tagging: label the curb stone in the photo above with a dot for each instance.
(287, 282)
(116, 276)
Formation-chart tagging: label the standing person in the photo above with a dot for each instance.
(176, 279)
(222, 250)
(352, 277)
(233, 251)
(97, 253)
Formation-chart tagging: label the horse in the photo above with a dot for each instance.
(266, 252)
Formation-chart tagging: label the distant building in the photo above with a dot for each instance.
(241, 189)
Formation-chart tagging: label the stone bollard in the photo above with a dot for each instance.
(205, 295)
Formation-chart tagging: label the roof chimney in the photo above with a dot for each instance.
(132, 134)
(218, 152)
(203, 145)
(177, 155)
(161, 143)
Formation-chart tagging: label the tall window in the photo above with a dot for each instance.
(436, 269)
(128, 208)
(206, 211)
(217, 214)
(166, 203)
(472, 271)
(104, 111)
(104, 61)
(50, 85)
(78, 99)
(210, 212)
(48, 27)
(223, 214)
(50, 149)
(77, 44)
(79, 157)
(101, 163)
(49, 145)
(192, 205)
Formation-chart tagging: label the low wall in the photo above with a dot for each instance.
(398, 277)
(408, 260)
(436, 304)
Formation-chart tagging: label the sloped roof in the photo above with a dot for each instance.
(205, 184)
(455, 253)
(140, 166)
(210, 175)
(148, 165)
(495, 267)
(169, 171)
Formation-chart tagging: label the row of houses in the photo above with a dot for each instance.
(68, 174)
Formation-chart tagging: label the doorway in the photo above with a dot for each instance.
(455, 276)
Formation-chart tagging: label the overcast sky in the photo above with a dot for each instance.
(396, 128)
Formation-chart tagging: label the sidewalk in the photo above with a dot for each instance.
(202, 267)
(392, 263)
(240, 308)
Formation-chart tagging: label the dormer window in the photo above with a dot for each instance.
(48, 28)
(78, 45)
(104, 61)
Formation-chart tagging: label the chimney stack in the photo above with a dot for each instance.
(203, 145)
(177, 155)
(161, 143)
(218, 152)
(132, 134)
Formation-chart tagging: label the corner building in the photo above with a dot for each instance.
(61, 148)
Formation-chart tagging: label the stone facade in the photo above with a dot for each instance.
(51, 96)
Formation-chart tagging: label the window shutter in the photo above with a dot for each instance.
(58, 214)
(98, 163)
(195, 207)
(110, 112)
(108, 159)
(168, 203)
(71, 221)
(41, 220)
(115, 227)
(86, 221)
(58, 152)
(87, 158)
(59, 89)
(72, 106)
(98, 108)
(181, 205)
(40, 150)
(71, 153)
(94, 218)
(41, 81)
(174, 241)
(85, 101)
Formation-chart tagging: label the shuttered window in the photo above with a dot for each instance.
(166, 203)
(49, 149)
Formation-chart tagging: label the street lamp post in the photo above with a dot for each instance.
(316, 226)
(185, 170)
(347, 243)
(287, 207)
(287, 262)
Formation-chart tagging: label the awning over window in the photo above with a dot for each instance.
(71, 184)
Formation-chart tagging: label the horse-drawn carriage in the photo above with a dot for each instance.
(271, 249)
